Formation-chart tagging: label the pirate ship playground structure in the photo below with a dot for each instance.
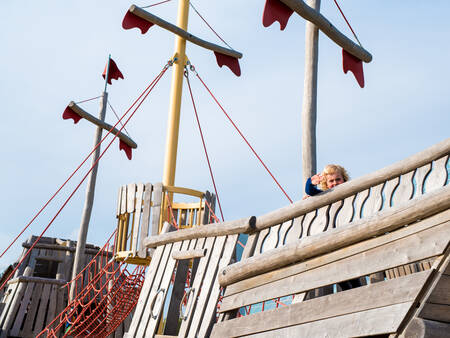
(170, 269)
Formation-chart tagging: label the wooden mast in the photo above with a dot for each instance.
(79, 259)
(175, 97)
(309, 109)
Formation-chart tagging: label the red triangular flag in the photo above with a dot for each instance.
(114, 72)
(353, 64)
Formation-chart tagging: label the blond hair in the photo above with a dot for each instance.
(332, 169)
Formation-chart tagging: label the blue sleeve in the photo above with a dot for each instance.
(311, 189)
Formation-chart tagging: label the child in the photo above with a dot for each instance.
(332, 176)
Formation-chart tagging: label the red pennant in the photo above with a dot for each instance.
(114, 72)
(275, 10)
(229, 61)
(353, 64)
(133, 21)
(70, 114)
(126, 148)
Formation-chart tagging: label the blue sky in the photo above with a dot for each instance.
(54, 52)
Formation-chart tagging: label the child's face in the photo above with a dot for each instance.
(334, 180)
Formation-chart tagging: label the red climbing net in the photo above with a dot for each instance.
(104, 294)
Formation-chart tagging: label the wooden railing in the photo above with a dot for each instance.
(142, 210)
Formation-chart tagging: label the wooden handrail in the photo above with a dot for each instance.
(354, 186)
(184, 191)
(309, 247)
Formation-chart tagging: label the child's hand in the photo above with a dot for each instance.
(316, 179)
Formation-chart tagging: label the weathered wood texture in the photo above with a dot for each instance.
(358, 231)
(402, 290)
(419, 328)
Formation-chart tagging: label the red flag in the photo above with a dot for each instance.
(353, 64)
(114, 72)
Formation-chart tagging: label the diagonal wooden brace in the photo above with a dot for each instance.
(308, 13)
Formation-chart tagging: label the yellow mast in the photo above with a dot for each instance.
(175, 97)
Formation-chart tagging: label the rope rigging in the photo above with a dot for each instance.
(343, 15)
(144, 94)
(186, 75)
(242, 135)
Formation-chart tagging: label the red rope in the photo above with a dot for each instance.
(85, 176)
(204, 146)
(82, 163)
(110, 106)
(169, 209)
(213, 215)
(343, 15)
(243, 137)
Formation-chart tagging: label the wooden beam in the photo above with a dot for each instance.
(354, 186)
(327, 27)
(426, 328)
(244, 225)
(84, 114)
(26, 279)
(189, 254)
(181, 32)
(378, 224)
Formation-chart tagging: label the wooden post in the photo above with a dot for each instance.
(79, 263)
(309, 109)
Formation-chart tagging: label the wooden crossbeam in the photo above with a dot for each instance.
(82, 113)
(180, 32)
(308, 13)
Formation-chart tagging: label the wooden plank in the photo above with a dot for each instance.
(39, 324)
(320, 222)
(369, 261)
(123, 203)
(396, 291)
(345, 214)
(379, 224)
(119, 202)
(439, 312)
(52, 305)
(188, 254)
(270, 241)
(8, 298)
(144, 295)
(211, 306)
(337, 255)
(441, 293)
(374, 202)
(23, 307)
(210, 245)
(156, 209)
(28, 328)
(421, 174)
(145, 220)
(250, 245)
(160, 292)
(438, 175)
(137, 218)
(361, 324)
(294, 232)
(359, 202)
(405, 189)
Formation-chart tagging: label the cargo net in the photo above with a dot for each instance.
(104, 294)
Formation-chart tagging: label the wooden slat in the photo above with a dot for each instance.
(400, 290)
(201, 270)
(156, 208)
(39, 323)
(145, 220)
(123, 203)
(360, 199)
(294, 232)
(361, 324)
(405, 189)
(119, 202)
(369, 261)
(374, 201)
(211, 306)
(137, 218)
(28, 328)
(439, 312)
(438, 175)
(23, 308)
(441, 293)
(419, 177)
(320, 222)
(144, 295)
(345, 214)
(157, 310)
